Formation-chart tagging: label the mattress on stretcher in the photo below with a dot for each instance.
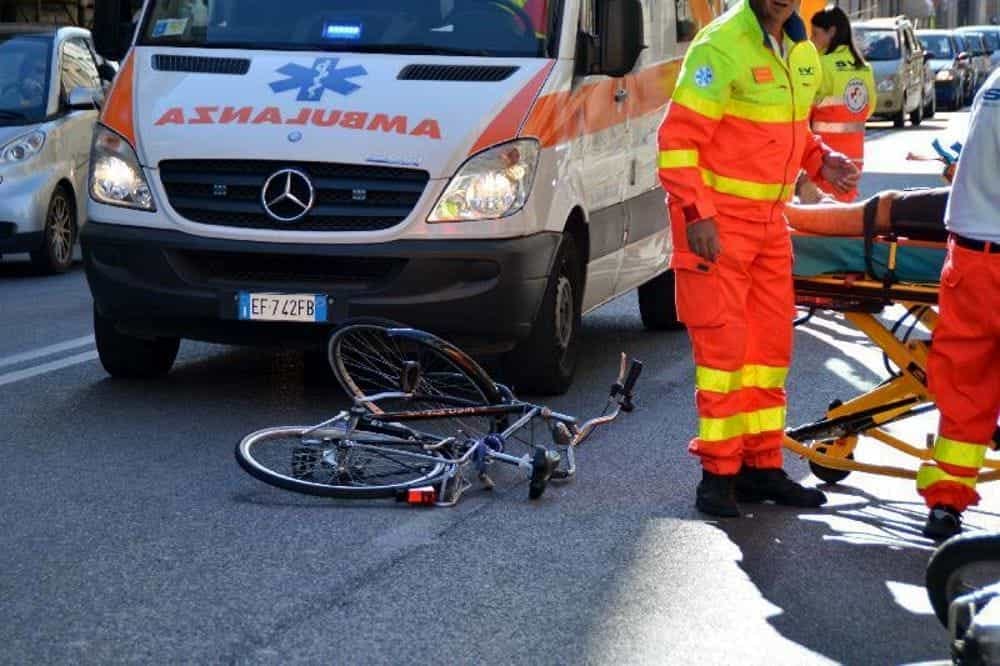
(819, 255)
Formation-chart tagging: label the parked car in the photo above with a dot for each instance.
(991, 35)
(950, 66)
(50, 89)
(899, 66)
(979, 56)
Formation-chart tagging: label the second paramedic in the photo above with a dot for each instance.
(733, 140)
(846, 97)
(965, 348)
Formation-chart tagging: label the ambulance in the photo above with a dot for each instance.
(483, 169)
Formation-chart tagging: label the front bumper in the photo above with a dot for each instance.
(480, 293)
(24, 203)
(888, 104)
(948, 92)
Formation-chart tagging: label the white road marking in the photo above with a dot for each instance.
(34, 371)
(47, 351)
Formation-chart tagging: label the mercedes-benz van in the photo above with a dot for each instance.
(482, 169)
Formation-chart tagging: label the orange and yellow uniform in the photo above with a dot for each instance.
(732, 143)
(845, 101)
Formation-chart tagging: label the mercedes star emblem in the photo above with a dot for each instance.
(288, 195)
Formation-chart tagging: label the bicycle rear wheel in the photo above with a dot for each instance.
(328, 463)
(370, 359)
(961, 565)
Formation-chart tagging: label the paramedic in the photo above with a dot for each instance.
(965, 348)
(733, 140)
(846, 97)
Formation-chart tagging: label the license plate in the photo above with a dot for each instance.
(282, 307)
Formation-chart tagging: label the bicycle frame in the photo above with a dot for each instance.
(566, 431)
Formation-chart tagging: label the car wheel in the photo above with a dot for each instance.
(657, 304)
(128, 357)
(544, 363)
(899, 119)
(59, 237)
(917, 115)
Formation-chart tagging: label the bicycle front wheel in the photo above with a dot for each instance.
(329, 463)
(370, 359)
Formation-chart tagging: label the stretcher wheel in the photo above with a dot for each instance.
(828, 474)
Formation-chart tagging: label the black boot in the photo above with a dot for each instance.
(715, 495)
(759, 485)
(943, 522)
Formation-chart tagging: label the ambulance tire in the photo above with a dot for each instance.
(545, 362)
(127, 357)
(657, 304)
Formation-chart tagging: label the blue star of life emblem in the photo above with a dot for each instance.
(313, 81)
(703, 77)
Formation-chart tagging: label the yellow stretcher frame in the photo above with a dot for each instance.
(829, 444)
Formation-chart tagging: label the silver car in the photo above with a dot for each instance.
(50, 88)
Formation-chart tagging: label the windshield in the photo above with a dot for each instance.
(879, 44)
(24, 80)
(512, 28)
(974, 42)
(939, 46)
(992, 40)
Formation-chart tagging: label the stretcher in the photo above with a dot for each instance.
(894, 258)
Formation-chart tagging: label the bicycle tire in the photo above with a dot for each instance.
(369, 358)
(946, 564)
(263, 472)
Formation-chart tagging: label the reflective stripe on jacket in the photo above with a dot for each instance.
(736, 131)
(845, 101)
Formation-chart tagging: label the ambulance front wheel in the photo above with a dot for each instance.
(657, 305)
(545, 362)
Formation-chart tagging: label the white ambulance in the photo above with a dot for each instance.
(482, 169)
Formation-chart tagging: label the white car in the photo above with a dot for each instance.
(50, 89)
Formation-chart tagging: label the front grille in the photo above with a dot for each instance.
(200, 64)
(455, 73)
(348, 197)
(286, 269)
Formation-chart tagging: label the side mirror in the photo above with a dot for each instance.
(928, 56)
(83, 98)
(963, 56)
(106, 72)
(621, 36)
(112, 28)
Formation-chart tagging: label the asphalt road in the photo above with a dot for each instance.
(129, 534)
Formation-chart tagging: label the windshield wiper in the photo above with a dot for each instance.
(12, 115)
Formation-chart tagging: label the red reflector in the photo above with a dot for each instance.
(424, 495)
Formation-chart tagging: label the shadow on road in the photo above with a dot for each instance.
(861, 544)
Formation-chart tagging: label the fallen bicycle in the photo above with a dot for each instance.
(423, 414)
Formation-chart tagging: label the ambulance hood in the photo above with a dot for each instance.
(319, 107)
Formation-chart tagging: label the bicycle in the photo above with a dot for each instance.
(422, 413)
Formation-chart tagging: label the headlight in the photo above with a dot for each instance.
(23, 147)
(945, 75)
(887, 85)
(493, 184)
(115, 175)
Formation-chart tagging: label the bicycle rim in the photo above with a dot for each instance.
(329, 464)
(367, 360)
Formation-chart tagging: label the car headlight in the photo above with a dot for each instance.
(493, 184)
(23, 147)
(115, 175)
(945, 75)
(887, 85)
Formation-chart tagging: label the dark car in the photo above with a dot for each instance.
(950, 65)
